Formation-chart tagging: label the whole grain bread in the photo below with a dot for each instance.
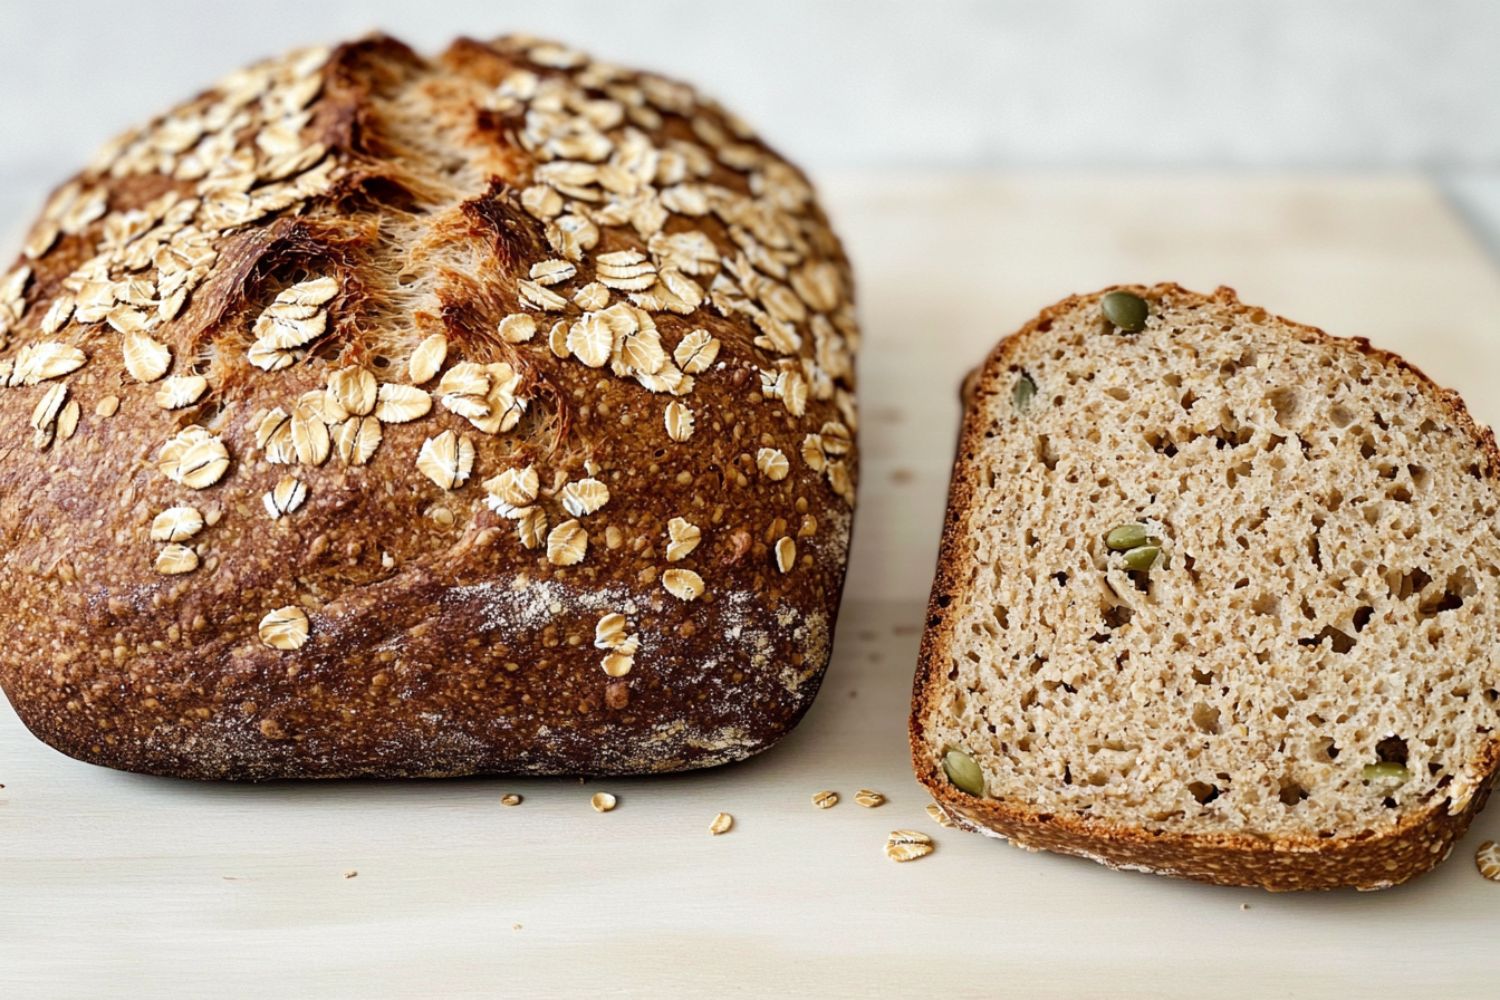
(1298, 690)
(377, 415)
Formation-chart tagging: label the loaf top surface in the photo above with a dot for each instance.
(355, 337)
(1309, 657)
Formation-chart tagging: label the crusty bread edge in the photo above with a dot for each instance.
(1419, 843)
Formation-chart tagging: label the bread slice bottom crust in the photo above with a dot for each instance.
(1368, 859)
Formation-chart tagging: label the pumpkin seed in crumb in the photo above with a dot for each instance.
(1127, 537)
(1125, 310)
(1141, 558)
(1387, 773)
(962, 770)
(1023, 392)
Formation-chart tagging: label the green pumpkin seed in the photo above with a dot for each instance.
(1141, 558)
(1387, 772)
(1021, 395)
(1124, 310)
(1127, 537)
(963, 772)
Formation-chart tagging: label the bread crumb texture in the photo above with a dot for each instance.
(420, 361)
(1300, 691)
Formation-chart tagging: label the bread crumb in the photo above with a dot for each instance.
(351, 873)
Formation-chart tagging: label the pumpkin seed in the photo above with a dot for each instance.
(1387, 772)
(1023, 392)
(963, 772)
(1125, 310)
(1127, 537)
(1141, 558)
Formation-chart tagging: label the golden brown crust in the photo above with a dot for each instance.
(1418, 843)
(445, 634)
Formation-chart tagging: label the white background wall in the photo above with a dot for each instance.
(944, 83)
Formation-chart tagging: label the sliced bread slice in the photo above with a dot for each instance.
(1217, 598)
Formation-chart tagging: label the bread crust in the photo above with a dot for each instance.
(1421, 840)
(440, 641)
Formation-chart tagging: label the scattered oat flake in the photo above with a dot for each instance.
(176, 524)
(609, 631)
(107, 407)
(510, 799)
(591, 340)
(531, 527)
(202, 464)
(618, 663)
(399, 404)
(584, 496)
(46, 359)
(786, 554)
(513, 489)
(1487, 858)
(427, 359)
(286, 496)
(447, 459)
(869, 799)
(354, 388)
(181, 390)
(722, 823)
(285, 628)
(907, 845)
(939, 816)
(682, 584)
(682, 538)
(591, 297)
(357, 438)
(517, 328)
(567, 544)
(311, 443)
(552, 272)
(825, 799)
(603, 802)
(679, 420)
(175, 559)
(67, 420)
(696, 352)
(773, 464)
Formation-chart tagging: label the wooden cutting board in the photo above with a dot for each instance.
(118, 885)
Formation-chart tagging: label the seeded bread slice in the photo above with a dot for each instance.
(1299, 692)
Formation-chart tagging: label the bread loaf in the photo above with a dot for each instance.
(1216, 598)
(373, 415)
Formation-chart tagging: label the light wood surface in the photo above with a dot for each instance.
(118, 885)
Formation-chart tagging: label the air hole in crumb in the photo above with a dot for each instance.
(1459, 586)
(1044, 452)
(1409, 583)
(1339, 416)
(1202, 676)
(1267, 604)
(1391, 750)
(1340, 640)
(1286, 402)
(1206, 718)
(1420, 477)
(1118, 392)
(1117, 617)
(1203, 791)
(1362, 617)
(1367, 447)
(1291, 792)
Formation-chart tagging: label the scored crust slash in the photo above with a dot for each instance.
(394, 416)
(1214, 599)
